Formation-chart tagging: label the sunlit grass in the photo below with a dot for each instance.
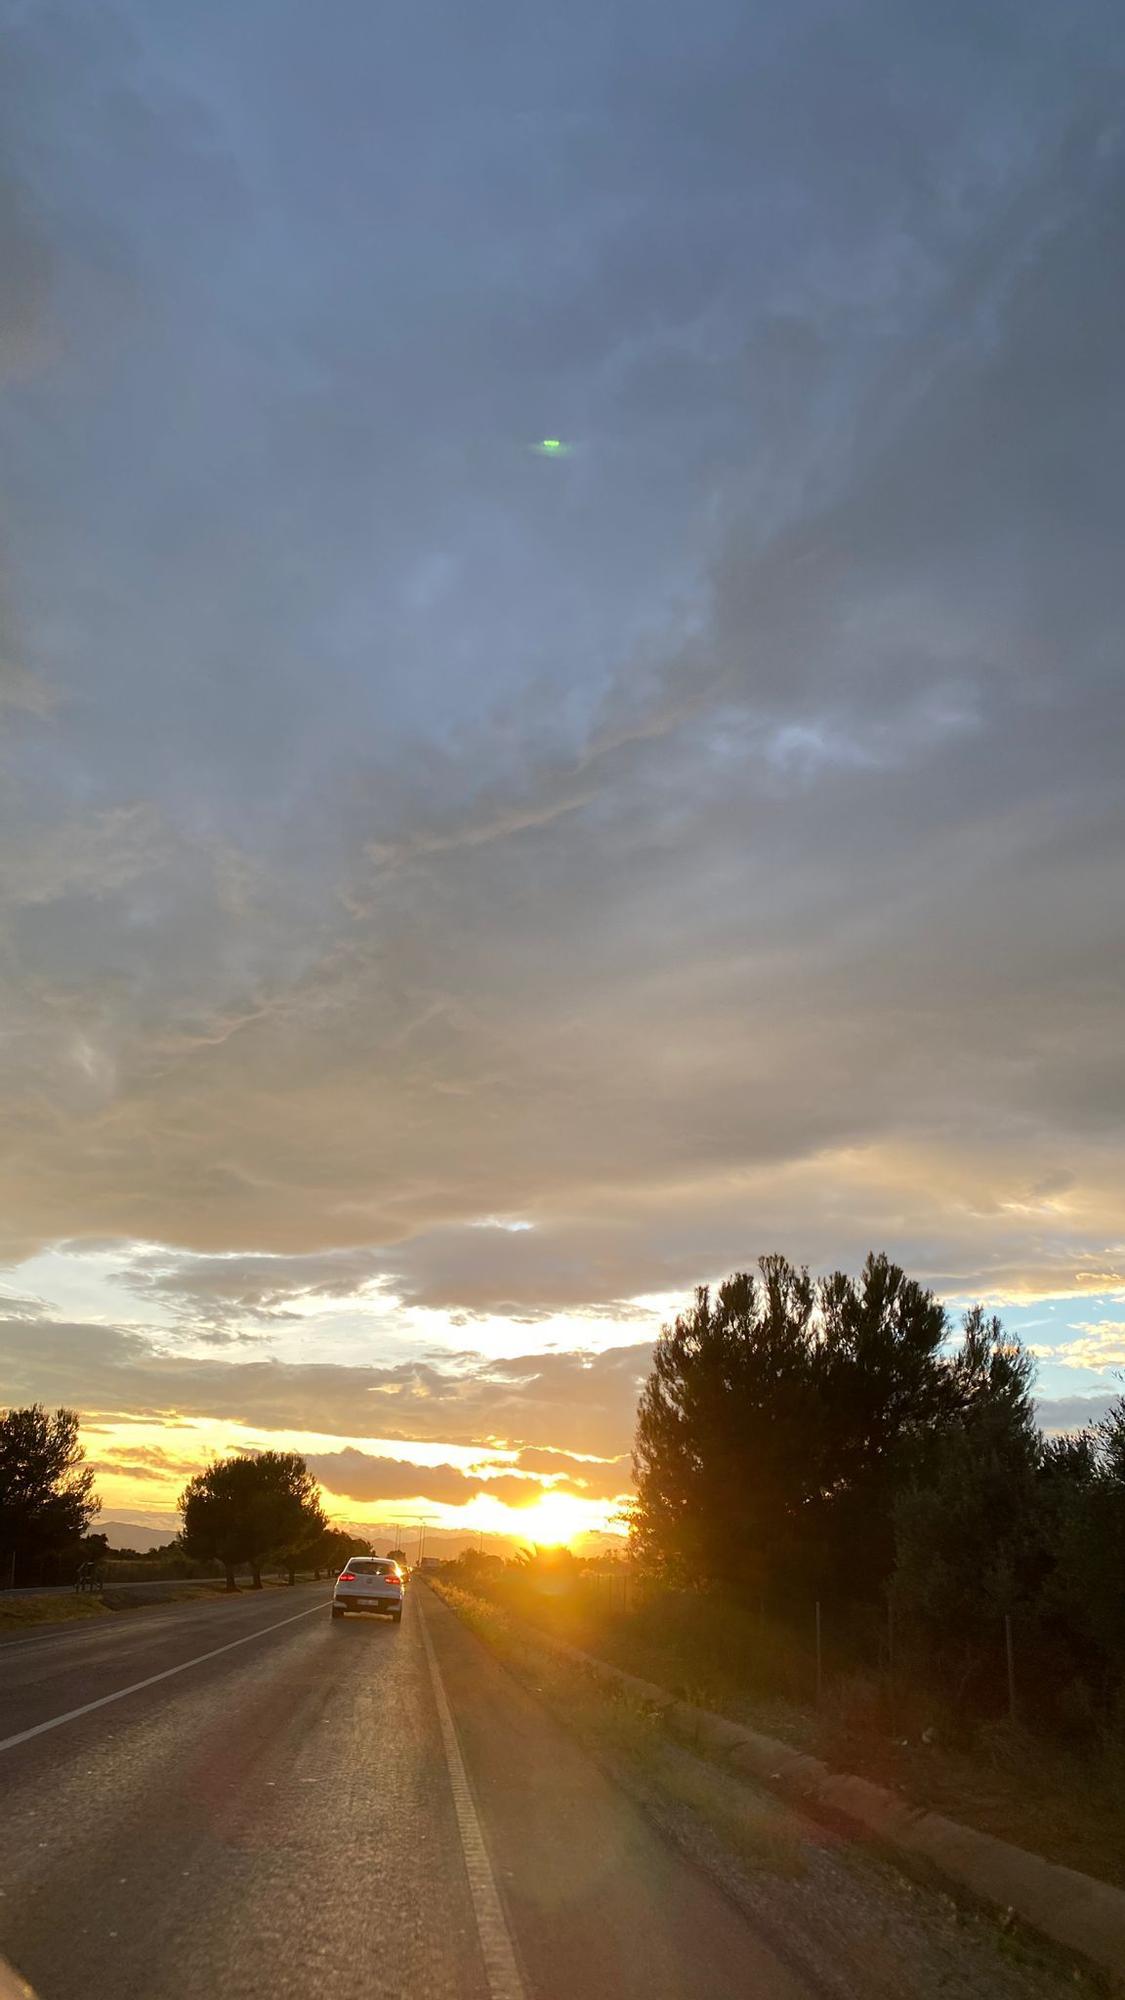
(618, 1727)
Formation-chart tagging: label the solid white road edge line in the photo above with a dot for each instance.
(504, 1981)
(103, 1701)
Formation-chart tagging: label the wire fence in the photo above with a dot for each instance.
(815, 1653)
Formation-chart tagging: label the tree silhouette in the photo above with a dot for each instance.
(971, 1523)
(776, 1424)
(246, 1509)
(47, 1499)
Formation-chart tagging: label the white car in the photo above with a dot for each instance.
(368, 1583)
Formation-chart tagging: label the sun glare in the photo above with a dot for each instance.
(554, 1519)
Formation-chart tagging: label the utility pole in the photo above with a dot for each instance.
(818, 1659)
(891, 1661)
(1009, 1651)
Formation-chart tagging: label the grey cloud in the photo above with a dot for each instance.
(24, 298)
(574, 1401)
(97, 857)
(19, 687)
(709, 839)
(565, 1266)
(359, 1475)
(13, 1307)
(236, 1288)
(513, 821)
(471, 1270)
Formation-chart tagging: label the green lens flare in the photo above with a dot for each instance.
(551, 448)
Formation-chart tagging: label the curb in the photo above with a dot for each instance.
(1070, 1909)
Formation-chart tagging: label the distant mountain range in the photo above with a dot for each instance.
(130, 1535)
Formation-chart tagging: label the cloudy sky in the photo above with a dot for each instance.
(456, 897)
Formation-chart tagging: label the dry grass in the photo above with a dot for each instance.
(18, 1613)
(618, 1728)
(1063, 1803)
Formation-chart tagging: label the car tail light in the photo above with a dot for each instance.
(347, 1577)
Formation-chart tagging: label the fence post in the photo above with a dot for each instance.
(891, 1663)
(818, 1658)
(1009, 1651)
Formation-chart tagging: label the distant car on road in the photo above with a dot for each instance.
(368, 1583)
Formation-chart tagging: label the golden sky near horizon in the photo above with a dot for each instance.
(142, 1469)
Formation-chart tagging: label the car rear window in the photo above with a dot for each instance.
(369, 1566)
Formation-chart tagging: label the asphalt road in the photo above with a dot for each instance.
(331, 1809)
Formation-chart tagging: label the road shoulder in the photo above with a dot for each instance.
(953, 1945)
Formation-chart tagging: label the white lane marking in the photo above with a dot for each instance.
(40, 1638)
(103, 1701)
(504, 1982)
(83, 1630)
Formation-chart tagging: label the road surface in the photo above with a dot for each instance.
(330, 1808)
(249, 1800)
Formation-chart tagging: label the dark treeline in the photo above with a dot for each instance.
(831, 1440)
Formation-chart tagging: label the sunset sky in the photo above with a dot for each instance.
(457, 897)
